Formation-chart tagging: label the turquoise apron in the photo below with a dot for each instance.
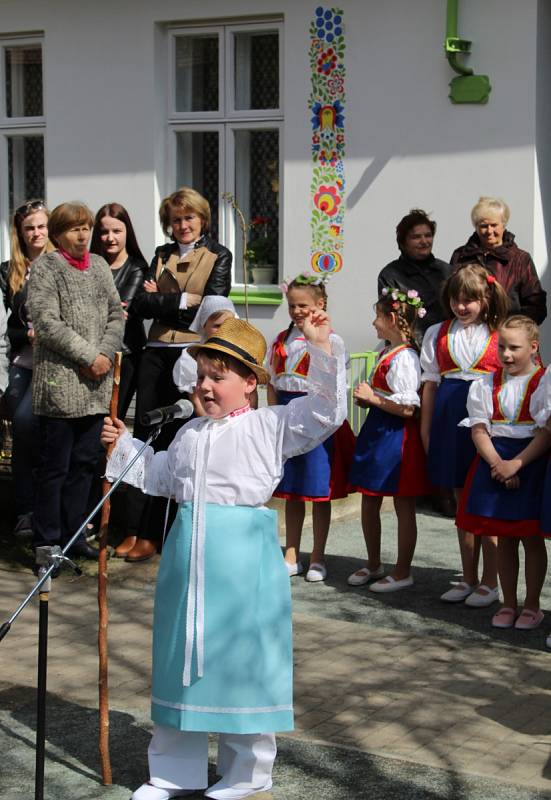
(239, 666)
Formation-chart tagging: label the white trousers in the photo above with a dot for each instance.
(179, 759)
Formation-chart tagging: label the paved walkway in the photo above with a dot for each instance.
(395, 696)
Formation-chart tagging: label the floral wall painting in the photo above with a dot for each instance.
(326, 108)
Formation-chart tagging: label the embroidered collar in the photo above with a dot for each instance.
(239, 411)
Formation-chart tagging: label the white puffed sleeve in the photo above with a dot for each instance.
(184, 373)
(152, 473)
(309, 420)
(480, 404)
(404, 378)
(429, 363)
(540, 402)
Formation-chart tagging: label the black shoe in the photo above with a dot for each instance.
(83, 550)
(445, 504)
(24, 525)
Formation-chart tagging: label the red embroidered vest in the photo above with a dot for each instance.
(487, 361)
(378, 377)
(278, 358)
(522, 416)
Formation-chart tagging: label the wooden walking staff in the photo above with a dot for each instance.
(103, 684)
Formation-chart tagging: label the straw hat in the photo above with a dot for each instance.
(241, 340)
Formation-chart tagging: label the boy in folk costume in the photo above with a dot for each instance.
(222, 647)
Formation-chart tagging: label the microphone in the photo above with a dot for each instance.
(160, 416)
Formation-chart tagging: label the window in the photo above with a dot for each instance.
(224, 126)
(21, 125)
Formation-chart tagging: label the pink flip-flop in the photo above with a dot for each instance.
(528, 619)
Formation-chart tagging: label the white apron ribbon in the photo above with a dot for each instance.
(195, 615)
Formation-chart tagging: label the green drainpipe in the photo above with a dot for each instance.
(468, 87)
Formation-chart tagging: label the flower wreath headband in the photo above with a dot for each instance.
(411, 297)
(305, 279)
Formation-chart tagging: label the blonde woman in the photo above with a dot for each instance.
(191, 266)
(493, 247)
(28, 240)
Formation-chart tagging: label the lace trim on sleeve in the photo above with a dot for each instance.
(123, 453)
(327, 380)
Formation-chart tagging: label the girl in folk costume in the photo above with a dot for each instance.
(222, 643)
(320, 475)
(503, 490)
(389, 459)
(455, 353)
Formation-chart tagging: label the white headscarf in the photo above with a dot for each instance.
(184, 372)
(210, 305)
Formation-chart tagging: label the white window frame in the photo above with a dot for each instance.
(175, 115)
(231, 225)
(226, 120)
(15, 126)
(258, 113)
(204, 127)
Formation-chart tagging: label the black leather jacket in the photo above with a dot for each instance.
(165, 307)
(17, 321)
(128, 281)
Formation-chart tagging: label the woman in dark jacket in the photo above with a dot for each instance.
(113, 237)
(191, 267)
(493, 246)
(28, 240)
(417, 268)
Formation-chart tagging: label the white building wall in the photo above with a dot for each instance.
(407, 145)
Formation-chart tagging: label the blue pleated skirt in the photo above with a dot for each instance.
(451, 448)
(389, 458)
(247, 682)
(307, 476)
(489, 508)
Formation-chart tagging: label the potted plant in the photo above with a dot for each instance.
(261, 251)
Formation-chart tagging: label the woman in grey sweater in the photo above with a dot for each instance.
(78, 324)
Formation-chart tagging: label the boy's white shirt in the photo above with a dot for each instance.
(246, 452)
(236, 460)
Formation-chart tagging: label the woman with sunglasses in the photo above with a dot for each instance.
(28, 240)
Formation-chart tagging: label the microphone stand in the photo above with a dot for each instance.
(50, 560)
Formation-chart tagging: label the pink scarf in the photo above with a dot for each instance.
(80, 263)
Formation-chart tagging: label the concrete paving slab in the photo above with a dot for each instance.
(396, 696)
